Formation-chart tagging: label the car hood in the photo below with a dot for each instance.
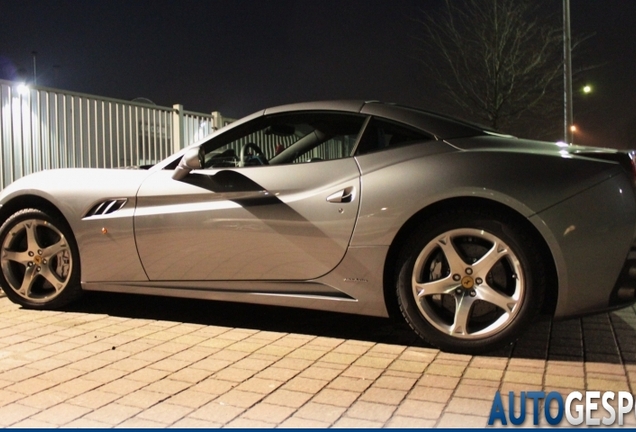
(75, 187)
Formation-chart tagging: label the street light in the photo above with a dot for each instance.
(22, 89)
(587, 89)
(35, 74)
(567, 74)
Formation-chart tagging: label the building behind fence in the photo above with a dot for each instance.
(43, 128)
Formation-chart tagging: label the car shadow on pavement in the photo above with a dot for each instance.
(606, 337)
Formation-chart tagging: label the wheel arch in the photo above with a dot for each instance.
(30, 201)
(390, 265)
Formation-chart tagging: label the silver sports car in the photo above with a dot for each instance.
(358, 207)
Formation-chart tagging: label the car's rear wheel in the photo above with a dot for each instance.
(39, 260)
(470, 281)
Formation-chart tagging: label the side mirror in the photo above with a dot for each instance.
(191, 160)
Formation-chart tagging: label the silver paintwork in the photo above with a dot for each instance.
(181, 238)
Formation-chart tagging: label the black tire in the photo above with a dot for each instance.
(39, 260)
(460, 293)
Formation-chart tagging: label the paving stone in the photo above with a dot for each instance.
(372, 361)
(137, 423)
(214, 386)
(438, 381)
(307, 385)
(452, 420)
(268, 413)
(307, 354)
(15, 412)
(295, 364)
(259, 385)
(253, 364)
(362, 372)
(420, 409)
(147, 375)
(277, 373)
(168, 386)
(165, 412)
(320, 373)
(94, 399)
(475, 392)
(244, 423)
(61, 414)
(371, 411)
(122, 386)
(33, 424)
(483, 374)
(215, 412)
(142, 398)
(340, 398)
(76, 386)
(192, 423)
(402, 422)
(301, 423)
(408, 366)
(383, 395)
(320, 412)
(349, 383)
(239, 398)
(523, 377)
(431, 394)
(288, 398)
(469, 406)
(45, 399)
(349, 422)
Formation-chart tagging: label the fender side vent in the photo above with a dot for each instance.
(106, 207)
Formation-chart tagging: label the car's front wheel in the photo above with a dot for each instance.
(39, 260)
(470, 281)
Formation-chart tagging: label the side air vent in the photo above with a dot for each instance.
(106, 207)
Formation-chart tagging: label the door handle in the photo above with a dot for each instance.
(346, 195)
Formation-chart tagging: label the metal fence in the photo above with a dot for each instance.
(43, 128)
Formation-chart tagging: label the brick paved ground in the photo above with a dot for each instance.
(132, 361)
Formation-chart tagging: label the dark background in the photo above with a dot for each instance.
(239, 56)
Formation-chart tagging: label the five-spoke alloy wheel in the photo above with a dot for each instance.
(466, 283)
(39, 260)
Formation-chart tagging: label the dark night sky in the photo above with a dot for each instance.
(238, 56)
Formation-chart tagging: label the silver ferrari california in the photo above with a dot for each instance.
(357, 207)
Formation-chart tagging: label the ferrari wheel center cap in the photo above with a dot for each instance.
(37, 259)
(468, 282)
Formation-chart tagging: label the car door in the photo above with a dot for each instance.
(287, 213)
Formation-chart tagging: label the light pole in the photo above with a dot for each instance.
(568, 115)
(35, 75)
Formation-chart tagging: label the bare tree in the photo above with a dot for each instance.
(496, 60)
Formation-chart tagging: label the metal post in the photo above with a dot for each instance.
(567, 74)
(177, 128)
(217, 120)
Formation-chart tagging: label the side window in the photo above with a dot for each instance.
(286, 139)
(381, 135)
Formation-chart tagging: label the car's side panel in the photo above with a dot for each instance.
(592, 233)
(253, 223)
(355, 286)
(420, 176)
(106, 242)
